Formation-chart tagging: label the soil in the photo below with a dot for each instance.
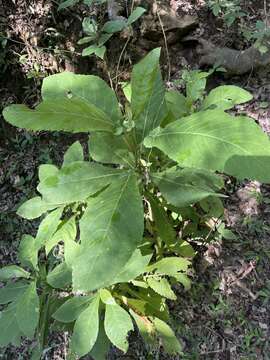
(226, 314)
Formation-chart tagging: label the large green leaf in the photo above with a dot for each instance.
(72, 115)
(110, 149)
(66, 231)
(117, 325)
(10, 333)
(102, 345)
(170, 266)
(27, 310)
(111, 229)
(214, 140)
(135, 266)
(226, 97)
(148, 95)
(76, 182)
(162, 287)
(28, 253)
(182, 187)
(177, 104)
(88, 88)
(11, 291)
(72, 308)
(13, 271)
(73, 153)
(60, 277)
(86, 329)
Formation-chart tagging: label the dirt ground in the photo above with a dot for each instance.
(226, 314)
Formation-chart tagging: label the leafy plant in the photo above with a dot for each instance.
(261, 35)
(98, 37)
(230, 10)
(116, 230)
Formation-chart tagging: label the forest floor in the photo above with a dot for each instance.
(226, 314)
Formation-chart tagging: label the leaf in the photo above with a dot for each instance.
(48, 227)
(162, 287)
(114, 26)
(135, 266)
(34, 208)
(214, 140)
(102, 345)
(27, 310)
(106, 297)
(72, 308)
(94, 49)
(73, 153)
(66, 231)
(169, 341)
(88, 88)
(13, 271)
(177, 104)
(60, 277)
(11, 292)
(28, 253)
(108, 236)
(117, 324)
(170, 266)
(67, 3)
(182, 187)
(47, 170)
(86, 329)
(145, 326)
(77, 181)
(148, 95)
(110, 149)
(72, 251)
(226, 97)
(8, 323)
(55, 115)
(135, 15)
(163, 226)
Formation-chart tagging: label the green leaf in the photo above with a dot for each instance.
(28, 253)
(145, 326)
(162, 287)
(94, 49)
(48, 227)
(105, 228)
(117, 325)
(67, 231)
(47, 170)
(135, 15)
(106, 297)
(110, 149)
(214, 140)
(77, 181)
(72, 308)
(148, 95)
(58, 115)
(163, 226)
(65, 4)
(11, 292)
(182, 187)
(102, 345)
(170, 266)
(114, 26)
(60, 277)
(34, 208)
(10, 333)
(27, 310)
(226, 97)
(135, 266)
(73, 153)
(13, 271)
(86, 329)
(177, 104)
(169, 341)
(88, 88)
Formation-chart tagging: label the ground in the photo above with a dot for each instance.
(226, 313)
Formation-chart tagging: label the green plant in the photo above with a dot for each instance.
(99, 36)
(116, 229)
(230, 10)
(68, 3)
(261, 35)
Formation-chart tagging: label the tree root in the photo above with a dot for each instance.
(234, 61)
